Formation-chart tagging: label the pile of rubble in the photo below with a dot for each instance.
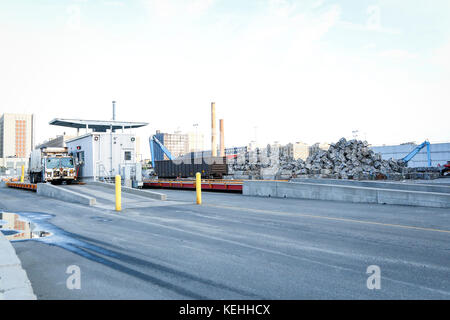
(347, 159)
(352, 159)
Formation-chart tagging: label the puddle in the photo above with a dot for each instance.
(36, 226)
(16, 228)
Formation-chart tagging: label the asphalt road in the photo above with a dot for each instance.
(234, 247)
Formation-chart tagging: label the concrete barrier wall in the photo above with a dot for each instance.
(378, 184)
(14, 283)
(355, 194)
(49, 190)
(139, 192)
(414, 198)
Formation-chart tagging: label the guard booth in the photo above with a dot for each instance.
(102, 154)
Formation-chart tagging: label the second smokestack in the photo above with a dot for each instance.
(222, 136)
(213, 130)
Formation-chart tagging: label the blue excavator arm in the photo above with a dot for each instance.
(154, 144)
(416, 150)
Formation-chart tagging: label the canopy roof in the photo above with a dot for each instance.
(96, 125)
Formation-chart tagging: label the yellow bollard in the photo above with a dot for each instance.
(22, 177)
(118, 193)
(198, 187)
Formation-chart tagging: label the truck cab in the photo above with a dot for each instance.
(58, 169)
(53, 165)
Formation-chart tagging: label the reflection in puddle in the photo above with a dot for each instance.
(15, 227)
(30, 225)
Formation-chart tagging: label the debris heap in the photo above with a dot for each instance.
(352, 159)
(349, 159)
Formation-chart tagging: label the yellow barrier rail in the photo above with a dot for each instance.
(22, 185)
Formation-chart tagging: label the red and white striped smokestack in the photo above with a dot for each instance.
(222, 136)
(213, 130)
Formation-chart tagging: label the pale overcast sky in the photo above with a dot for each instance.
(296, 70)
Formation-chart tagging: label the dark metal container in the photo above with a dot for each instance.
(209, 167)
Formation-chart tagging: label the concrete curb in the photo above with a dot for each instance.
(14, 283)
(138, 192)
(51, 191)
(378, 184)
(355, 194)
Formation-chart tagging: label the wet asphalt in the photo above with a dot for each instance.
(233, 247)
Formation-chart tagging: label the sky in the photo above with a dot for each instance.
(278, 70)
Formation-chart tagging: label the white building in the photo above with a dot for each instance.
(104, 152)
(300, 150)
(439, 154)
(196, 141)
(56, 142)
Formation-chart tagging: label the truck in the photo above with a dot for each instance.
(53, 165)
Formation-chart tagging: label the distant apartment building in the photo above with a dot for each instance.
(138, 154)
(16, 139)
(319, 146)
(300, 150)
(16, 135)
(196, 141)
(177, 143)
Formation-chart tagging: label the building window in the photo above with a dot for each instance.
(20, 138)
(127, 155)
